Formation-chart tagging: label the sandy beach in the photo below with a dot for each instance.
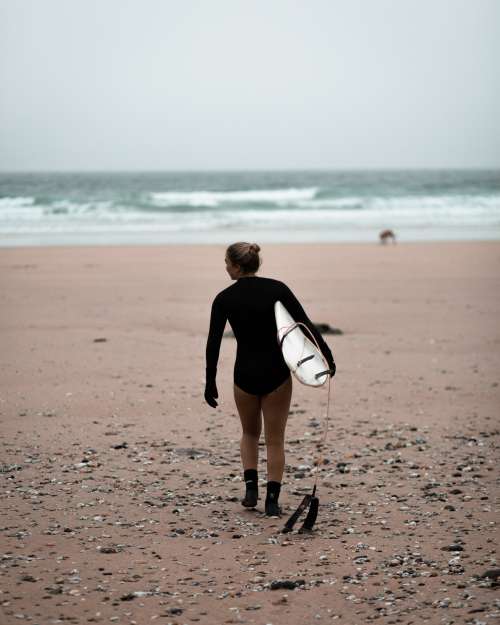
(121, 487)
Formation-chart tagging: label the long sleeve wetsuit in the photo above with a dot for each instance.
(248, 305)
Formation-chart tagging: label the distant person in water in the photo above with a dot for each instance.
(262, 381)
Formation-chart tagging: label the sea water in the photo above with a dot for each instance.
(222, 207)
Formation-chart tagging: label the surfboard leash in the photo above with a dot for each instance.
(310, 502)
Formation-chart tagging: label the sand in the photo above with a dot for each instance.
(121, 487)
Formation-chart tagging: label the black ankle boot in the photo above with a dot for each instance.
(252, 489)
(273, 493)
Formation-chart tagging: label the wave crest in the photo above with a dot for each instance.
(212, 199)
(16, 202)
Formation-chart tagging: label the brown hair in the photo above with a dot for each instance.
(246, 255)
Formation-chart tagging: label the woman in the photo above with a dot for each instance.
(262, 381)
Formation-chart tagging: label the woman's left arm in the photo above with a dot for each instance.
(294, 307)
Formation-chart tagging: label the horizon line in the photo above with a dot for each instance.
(247, 170)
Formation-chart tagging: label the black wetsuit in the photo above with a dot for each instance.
(248, 305)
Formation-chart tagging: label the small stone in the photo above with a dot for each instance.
(286, 583)
(123, 445)
(491, 574)
(112, 549)
(28, 578)
(128, 597)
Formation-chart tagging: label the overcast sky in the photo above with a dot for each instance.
(236, 84)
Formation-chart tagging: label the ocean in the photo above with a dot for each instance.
(269, 206)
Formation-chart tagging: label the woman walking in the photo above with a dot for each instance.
(262, 381)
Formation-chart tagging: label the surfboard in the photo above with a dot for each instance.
(303, 358)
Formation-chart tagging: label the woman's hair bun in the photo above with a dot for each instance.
(246, 255)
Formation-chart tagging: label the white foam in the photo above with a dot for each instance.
(338, 203)
(8, 203)
(16, 201)
(24, 209)
(216, 198)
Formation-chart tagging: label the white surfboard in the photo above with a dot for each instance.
(301, 355)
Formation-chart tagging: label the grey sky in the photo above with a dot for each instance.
(222, 84)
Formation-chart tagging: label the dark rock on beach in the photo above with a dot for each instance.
(286, 583)
(326, 328)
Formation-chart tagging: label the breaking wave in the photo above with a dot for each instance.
(213, 199)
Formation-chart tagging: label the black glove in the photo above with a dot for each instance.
(211, 393)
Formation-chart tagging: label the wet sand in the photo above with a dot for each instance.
(121, 487)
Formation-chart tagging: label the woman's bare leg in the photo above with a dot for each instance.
(275, 407)
(249, 409)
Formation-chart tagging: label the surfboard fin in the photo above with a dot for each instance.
(301, 362)
(311, 517)
(321, 373)
(311, 502)
(295, 516)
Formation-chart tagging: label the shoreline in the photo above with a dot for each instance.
(141, 245)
